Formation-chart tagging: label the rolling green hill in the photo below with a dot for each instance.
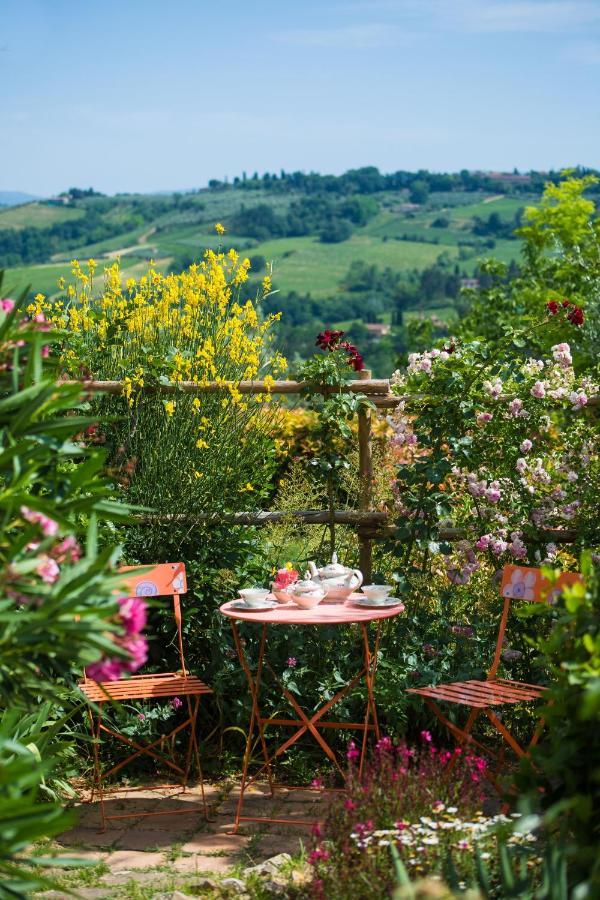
(356, 249)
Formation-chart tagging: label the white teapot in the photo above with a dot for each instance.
(337, 581)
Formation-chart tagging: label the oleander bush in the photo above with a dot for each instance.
(58, 611)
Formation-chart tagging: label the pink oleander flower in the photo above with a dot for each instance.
(137, 647)
(105, 670)
(49, 526)
(525, 446)
(538, 390)
(176, 703)
(67, 551)
(7, 305)
(48, 570)
(133, 613)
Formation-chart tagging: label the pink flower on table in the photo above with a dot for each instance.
(292, 662)
(133, 614)
(538, 390)
(105, 670)
(137, 648)
(48, 570)
(176, 703)
(284, 578)
(526, 446)
(7, 305)
(49, 526)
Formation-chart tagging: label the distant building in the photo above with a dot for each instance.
(509, 177)
(469, 284)
(378, 329)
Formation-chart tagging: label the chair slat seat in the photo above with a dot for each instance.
(495, 692)
(141, 687)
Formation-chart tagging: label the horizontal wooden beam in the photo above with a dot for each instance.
(371, 386)
(368, 523)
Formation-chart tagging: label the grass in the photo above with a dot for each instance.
(39, 215)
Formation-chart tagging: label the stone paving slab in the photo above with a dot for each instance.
(124, 860)
(215, 843)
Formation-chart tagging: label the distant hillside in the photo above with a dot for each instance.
(13, 198)
(377, 255)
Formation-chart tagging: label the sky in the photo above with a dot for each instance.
(149, 95)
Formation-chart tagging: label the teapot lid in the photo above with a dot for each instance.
(333, 568)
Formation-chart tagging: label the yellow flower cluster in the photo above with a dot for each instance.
(169, 328)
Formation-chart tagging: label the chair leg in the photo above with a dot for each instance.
(196, 751)
(97, 767)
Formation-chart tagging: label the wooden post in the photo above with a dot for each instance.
(365, 471)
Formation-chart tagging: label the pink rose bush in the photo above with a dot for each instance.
(488, 456)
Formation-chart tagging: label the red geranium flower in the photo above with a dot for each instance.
(328, 339)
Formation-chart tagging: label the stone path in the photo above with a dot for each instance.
(168, 852)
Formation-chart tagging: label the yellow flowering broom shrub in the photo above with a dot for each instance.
(177, 452)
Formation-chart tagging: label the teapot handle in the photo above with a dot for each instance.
(356, 573)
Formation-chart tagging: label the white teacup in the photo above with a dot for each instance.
(376, 593)
(254, 596)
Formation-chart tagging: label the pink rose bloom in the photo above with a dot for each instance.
(526, 446)
(579, 399)
(538, 390)
(521, 465)
(515, 406)
(483, 418)
(137, 647)
(104, 670)
(484, 542)
(498, 546)
(7, 305)
(133, 613)
(48, 570)
(493, 492)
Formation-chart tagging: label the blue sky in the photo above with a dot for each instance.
(141, 95)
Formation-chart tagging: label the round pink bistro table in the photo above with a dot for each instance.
(289, 614)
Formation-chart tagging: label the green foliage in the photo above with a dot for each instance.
(56, 611)
(564, 780)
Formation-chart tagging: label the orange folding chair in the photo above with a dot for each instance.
(164, 580)
(518, 583)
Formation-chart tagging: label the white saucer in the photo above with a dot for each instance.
(266, 604)
(368, 604)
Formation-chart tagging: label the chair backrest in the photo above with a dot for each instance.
(162, 580)
(526, 583)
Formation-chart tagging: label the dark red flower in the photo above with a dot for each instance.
(354, 357)
(552, 307)
(566, 303)
(451, 348)
(575, 317)
(328, 339)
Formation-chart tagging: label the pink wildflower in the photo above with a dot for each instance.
(176, 703)
(426, 736)
(353, 752)
(292, 662)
